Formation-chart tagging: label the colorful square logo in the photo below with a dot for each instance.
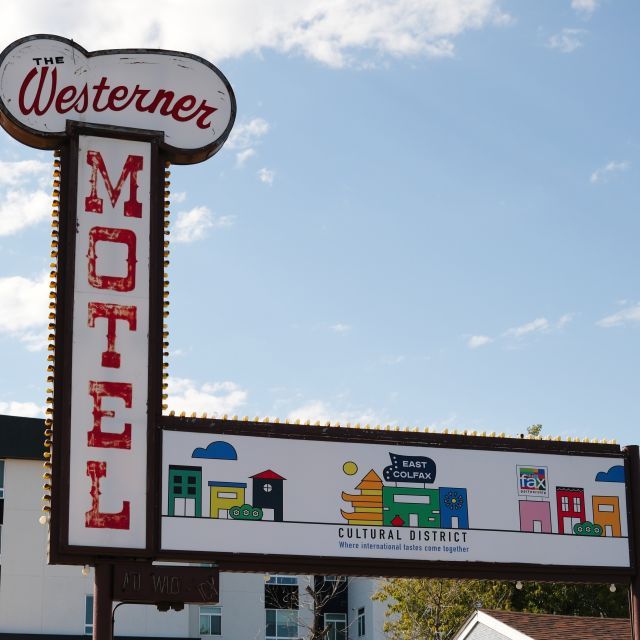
(533, 481)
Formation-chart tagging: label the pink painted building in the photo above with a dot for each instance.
(535, 516)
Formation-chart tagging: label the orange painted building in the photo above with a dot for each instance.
(367, 506)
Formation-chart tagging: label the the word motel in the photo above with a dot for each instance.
(110, 348)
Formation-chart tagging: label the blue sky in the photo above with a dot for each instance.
(427, 214)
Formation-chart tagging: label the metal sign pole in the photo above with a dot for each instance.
(633, 453)
(102, 603)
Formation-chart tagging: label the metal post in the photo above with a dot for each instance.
(634, 607)
(102, 603)
(633, 453)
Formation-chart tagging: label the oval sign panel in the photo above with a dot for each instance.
(46, 80)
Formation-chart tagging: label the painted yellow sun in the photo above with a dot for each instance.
(350, 468)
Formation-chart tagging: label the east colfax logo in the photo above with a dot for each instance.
(410, 469)
(532, 481)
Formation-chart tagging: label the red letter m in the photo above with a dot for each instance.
(93, 203)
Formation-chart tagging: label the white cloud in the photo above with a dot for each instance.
(630, 315)
(476, 342)
(568, 40)
(319, 411)
(194, 224)
(535, 326)
(603, 173)
(246, 134)
(243, 156)
(266, 175)
(178, 197)
(23, 409)
(212, 398)
(340, 327)
(20, 209)
(334, 32)
(539, 325)
(564, 320)
(24, 304)
(584, 7)
(13, 174)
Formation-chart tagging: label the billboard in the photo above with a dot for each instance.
(389, 502)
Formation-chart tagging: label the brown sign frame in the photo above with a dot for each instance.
(408, 568)
(60, 551)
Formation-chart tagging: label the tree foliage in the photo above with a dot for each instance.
(423, 608)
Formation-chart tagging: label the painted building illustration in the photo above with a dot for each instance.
(226, 499)
(535, 516)
(454, 513)
(570, 505)
(411, 507)
(185, 491)
(225, 495)
(570, 508)
(268, 493)
(367, 505)
(606, 513)
(378, 504)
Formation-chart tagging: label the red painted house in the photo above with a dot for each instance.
(571, 508)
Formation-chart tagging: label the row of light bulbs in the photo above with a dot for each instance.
(53, 284)
(357, 425)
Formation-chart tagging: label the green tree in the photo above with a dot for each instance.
(434, 609)
(570, 599)
(534, 429)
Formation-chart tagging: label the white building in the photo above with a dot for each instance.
(513, 625)
(38, 600)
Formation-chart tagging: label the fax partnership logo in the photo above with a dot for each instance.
(533, 481)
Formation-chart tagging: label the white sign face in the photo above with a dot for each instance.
(295, 497)
(47, 80)
(108, 440)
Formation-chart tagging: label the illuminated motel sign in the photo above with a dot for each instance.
(131, 483)
(118, 118)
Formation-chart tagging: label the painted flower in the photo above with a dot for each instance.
(454, 500)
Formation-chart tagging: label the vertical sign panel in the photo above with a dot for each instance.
(110, 347)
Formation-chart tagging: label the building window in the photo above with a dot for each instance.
(88, 615)
(210, 621)
(565, 503)
(267, 488)
(281, 624)
(335, 578)
(361, 627)
(576, 505)
(336, 626)
(282, 580)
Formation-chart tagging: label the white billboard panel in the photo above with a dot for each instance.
(226, 493)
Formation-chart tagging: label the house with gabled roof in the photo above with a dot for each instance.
(486, 624)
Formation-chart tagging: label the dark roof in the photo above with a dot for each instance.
(543, 626)
(21, 438)
(268, 475)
